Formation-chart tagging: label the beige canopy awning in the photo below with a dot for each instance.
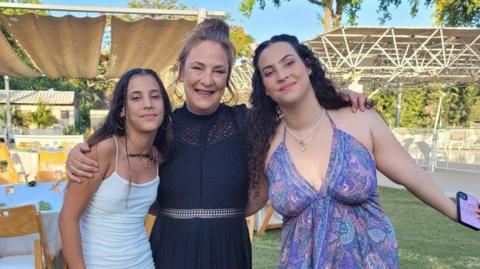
(146, 43)
(71, 47)
(60, 47)
(11, 64)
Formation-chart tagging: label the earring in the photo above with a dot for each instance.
(279, 113)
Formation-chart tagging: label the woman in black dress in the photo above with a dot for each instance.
(204, 193)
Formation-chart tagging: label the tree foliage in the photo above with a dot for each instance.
(242, 42)
(447, 12)
(460, 106)
(333, 10)
(155, 4)
(12, 11)
(41, 118)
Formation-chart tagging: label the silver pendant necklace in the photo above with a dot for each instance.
(302, 141)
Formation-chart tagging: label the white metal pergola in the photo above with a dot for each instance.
(400, 54)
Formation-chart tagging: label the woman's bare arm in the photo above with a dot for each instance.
(77, 197)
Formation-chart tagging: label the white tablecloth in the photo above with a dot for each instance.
(32, 195)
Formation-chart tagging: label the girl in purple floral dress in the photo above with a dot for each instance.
(321, 159)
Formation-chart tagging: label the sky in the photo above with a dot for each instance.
(296, 17)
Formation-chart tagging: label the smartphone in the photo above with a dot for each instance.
(466, 206)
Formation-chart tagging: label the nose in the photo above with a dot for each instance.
(282, 74)
(147, 103)
(206, 79)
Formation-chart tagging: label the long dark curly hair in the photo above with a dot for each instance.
(115, 123)
(264, 117)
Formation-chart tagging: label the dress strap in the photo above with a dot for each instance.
(331, 121)
(116, 152)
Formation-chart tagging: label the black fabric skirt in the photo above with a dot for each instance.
(219, 243)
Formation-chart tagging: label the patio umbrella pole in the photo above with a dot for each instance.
(8, 128)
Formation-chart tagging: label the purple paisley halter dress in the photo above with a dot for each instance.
(342, 225)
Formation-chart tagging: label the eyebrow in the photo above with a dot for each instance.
(281, 60)
(202, 64)
(139, 92)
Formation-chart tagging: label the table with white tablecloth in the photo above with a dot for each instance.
(23, 195)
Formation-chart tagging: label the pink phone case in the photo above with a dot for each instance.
(466, 206)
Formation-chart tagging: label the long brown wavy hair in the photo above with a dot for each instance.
(264, 117)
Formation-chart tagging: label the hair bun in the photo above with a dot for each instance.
(212, 24)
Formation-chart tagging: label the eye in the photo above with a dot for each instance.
(135, 98)
(156, 96)
(220, 71)
(267, 73)
(289, 63)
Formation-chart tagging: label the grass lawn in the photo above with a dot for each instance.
(426, 238)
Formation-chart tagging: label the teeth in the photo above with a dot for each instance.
(203, 92)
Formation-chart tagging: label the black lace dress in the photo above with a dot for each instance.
(206, 174)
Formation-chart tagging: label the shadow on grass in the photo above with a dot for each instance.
(426, 238)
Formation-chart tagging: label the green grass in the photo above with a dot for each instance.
(426, 238)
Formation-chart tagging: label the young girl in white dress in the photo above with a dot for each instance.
(102, 220)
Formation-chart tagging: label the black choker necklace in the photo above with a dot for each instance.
(143, 156)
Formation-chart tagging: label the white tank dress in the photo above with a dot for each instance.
(112, 231)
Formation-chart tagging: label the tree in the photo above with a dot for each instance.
(332, 10)
(12, 11)
(447, 12)
(242, 42)
(18, 117)
(42, 117)
(155, 4)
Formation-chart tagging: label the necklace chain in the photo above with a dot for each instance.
(301, 141)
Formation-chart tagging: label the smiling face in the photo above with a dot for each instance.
(144, 106)
(284, 74)
(204, 77)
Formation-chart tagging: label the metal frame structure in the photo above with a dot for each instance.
(400, 54)
(201, 13)
(241, 77)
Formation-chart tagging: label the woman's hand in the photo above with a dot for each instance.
(79, 165)
(358, 100)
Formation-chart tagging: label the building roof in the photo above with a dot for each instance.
(49, 97)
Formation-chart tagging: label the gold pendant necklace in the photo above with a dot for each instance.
(302, 141)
